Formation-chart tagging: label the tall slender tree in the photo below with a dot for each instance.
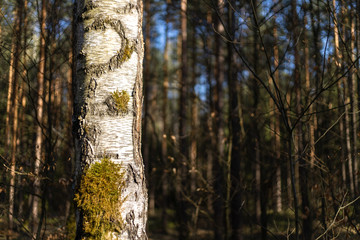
(12, 106)
(218, 123)
(275, 126)
(235, 136)
(165, 130)
(39, 118)
(181, 187)
(107, 114)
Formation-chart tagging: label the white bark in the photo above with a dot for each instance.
(109, 53)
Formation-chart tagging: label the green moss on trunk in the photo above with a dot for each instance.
(99, 197)
(121, 100)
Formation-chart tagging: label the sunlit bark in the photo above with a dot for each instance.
(354, 100)
(39, 119)
(109, 53)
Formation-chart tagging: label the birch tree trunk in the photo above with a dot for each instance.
(109, 54)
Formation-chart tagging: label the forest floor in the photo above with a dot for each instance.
(278, 229)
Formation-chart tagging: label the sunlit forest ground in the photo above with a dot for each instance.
(279, 228)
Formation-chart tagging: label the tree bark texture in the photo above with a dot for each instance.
(109, 54)
(275, 126)
(234, 125)
(164, 139)
(182, 161)
(39, 119)
(218, 124)
(354, 100)
(12, 108)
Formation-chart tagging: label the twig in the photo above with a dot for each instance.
(337, 213)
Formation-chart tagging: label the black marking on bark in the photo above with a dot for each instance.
(92, 132)
(89, 6)
(93, 84)
(115, 61)
(136, 197)
(128, 9)
(133, 173)
(98, 24)
(108, 155)
(81, 55)
(127, 46)
(97, 109)
(131, 227)
(110, 103)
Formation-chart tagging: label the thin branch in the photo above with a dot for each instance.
(337, 213)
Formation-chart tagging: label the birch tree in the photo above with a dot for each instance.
(107, 118)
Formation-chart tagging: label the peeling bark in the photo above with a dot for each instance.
(109, 54)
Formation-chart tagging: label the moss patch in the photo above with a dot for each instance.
(121, 100)
(127, 51)
(99, 197)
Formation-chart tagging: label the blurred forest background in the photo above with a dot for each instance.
(250, 124)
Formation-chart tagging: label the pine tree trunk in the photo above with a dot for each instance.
(312, 120)
(193, 135)
(234, 198)
(12, 102)
(347, 104)
(164, 139)
(69, 149)
(209, 151)
(181, 186)
(276, 130)
(39, 118)
(108, 106)
(219, 182)
(297, 85)
(354, 101)
(254, 113)
(311, 139)
(22, 98)
(194, 117)
(339, 92)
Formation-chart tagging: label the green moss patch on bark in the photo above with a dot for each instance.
(121, 100)
(99, 197)
(117, 103)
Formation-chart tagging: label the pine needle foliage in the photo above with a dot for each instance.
(99, 197)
